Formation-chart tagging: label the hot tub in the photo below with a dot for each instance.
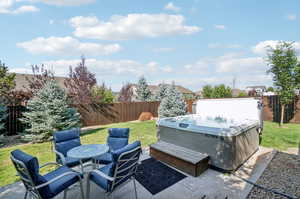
(228, 139)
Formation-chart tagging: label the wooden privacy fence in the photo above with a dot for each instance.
(117, 112)
(13, 125)
(129, 111)
(272, 109)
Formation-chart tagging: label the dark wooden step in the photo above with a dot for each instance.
(186, 160)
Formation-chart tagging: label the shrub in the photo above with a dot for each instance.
(49, 111)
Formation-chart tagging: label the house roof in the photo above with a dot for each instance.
(155, 88)
(255, 87)
(22, 83)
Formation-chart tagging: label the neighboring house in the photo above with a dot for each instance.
(198, 94)
(257, 89)
(22, 83)
(188, 94)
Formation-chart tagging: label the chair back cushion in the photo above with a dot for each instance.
(27, 167)
(117, 138)
(125, 162)
(66, 140)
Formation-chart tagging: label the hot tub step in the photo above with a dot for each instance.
(186, 160)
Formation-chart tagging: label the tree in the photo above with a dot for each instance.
(173, 104)
(48, 111)
(221, 91)
(126, 93)
(101, 94)
(80, 84)
(3, 116)
(7, 80)
(242, 94)
(285, 68)
(207, 91)
(142, 90)
(270, 89)
(41, 75)
(162, 91)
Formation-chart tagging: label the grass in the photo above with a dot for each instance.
(273, 136)
(282, 138)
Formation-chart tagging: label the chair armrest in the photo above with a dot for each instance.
(61, 156)
(50, 163)
(57, 178)
(102, 175)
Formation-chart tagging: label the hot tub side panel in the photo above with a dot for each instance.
(245, 144)
(219, 149)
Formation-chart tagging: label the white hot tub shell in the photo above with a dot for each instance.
(225, 129)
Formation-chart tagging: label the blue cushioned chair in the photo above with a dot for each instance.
(43, 186)
(117, 139)
(119, 172)
(63, 142)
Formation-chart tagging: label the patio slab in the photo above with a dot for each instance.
(211, 183)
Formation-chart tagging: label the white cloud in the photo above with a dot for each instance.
(262, 47)
(291, 17)
(105, 67)
(240, 65)
(61, 2)
(6, 7)
(218, 45)
(220, 27)
(51, 21)
(132, 26)
(172, 7)
(67, 46)
(159, 50)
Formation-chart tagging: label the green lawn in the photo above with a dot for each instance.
(279, 138)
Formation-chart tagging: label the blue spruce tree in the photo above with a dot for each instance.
(172, 104)
(3, 116)
(142, 90)
(49, 111)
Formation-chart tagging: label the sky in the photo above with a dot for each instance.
(191, 42)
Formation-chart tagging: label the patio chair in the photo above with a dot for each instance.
(118, 173)
(117, 139)
(63, 142)
(44, 186)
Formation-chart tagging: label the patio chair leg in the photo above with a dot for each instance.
(88, 187)
(81, 189)
(134, 184)
(26, 194)
(65, 194)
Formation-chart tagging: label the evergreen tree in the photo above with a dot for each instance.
(162, 92)
(142, 90)
(48, 111)
(173, 104)
(3, 116)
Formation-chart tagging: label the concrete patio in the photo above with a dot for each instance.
(211, 184)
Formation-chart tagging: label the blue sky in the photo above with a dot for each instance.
(192, 42)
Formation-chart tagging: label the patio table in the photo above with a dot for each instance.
(87, 151)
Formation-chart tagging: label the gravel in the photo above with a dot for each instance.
(282, 175)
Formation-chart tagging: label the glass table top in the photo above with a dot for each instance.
(88, 151)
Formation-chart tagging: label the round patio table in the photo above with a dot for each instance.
(87, 151)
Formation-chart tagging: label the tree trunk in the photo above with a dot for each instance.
(282, 114)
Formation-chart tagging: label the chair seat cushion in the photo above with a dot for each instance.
(61, 184)
(72, 162)
(99, 180)
(106, 158)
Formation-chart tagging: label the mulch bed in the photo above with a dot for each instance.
(282, 175)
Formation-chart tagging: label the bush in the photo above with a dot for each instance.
(49, 111)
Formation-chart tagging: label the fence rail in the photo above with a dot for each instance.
(123, 112)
